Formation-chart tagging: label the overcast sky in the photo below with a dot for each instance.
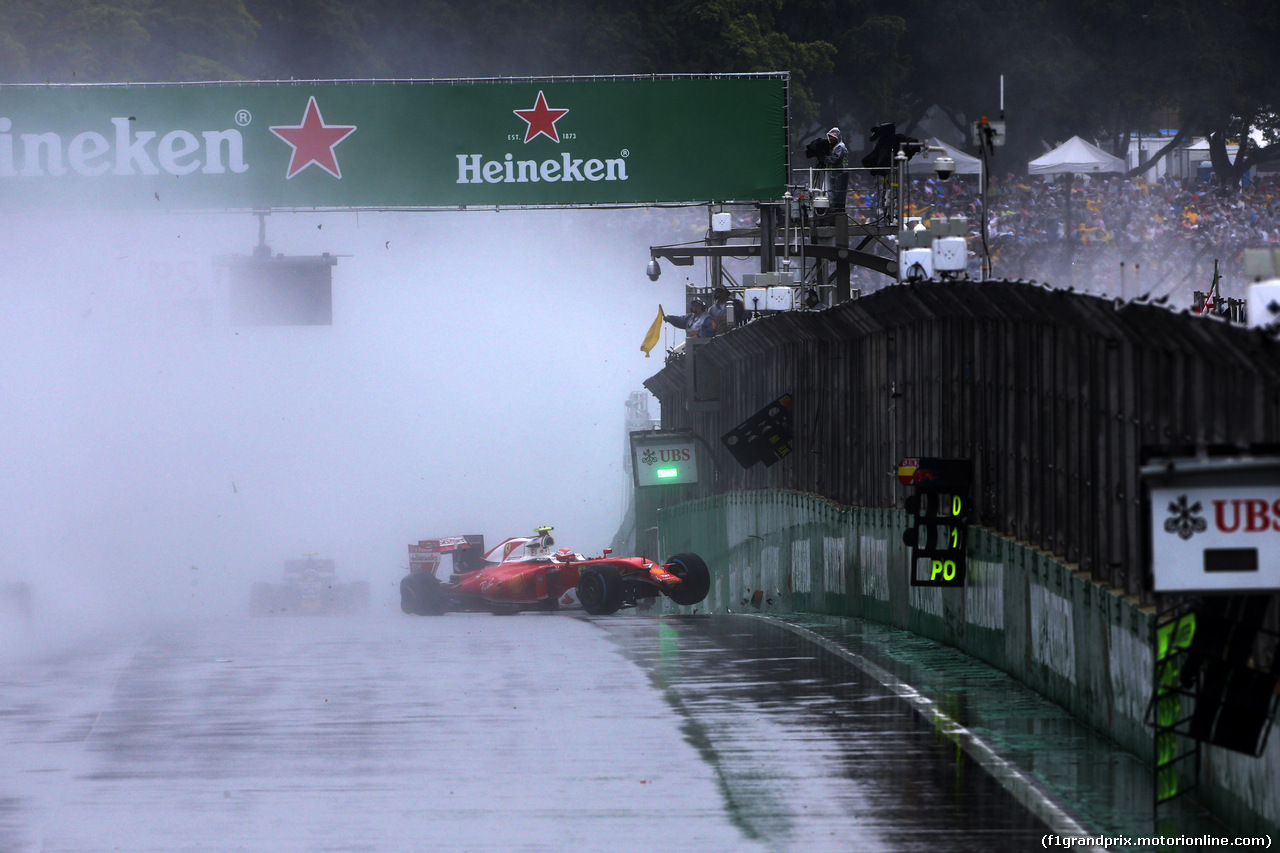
(473, 381)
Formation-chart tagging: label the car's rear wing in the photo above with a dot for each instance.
(466, 550)
(310, 568)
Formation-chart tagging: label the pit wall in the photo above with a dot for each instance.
(1085, 647)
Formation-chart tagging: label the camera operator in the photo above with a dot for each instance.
(836, 159)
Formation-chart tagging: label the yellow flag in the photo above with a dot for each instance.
(651, 337)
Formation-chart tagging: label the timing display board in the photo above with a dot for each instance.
(280, 290)
(939, 551)
(940, 512)
(554, 142)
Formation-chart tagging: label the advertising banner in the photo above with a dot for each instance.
(664, 457)
(392, 145)
(1210, 538)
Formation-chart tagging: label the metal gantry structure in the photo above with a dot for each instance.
(812, 238)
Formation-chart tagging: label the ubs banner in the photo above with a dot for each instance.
(394, 144)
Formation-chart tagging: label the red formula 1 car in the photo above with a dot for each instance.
(526, 573)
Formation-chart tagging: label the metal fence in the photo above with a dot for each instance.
(1052, 394)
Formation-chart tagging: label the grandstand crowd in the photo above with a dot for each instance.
(1127, 237)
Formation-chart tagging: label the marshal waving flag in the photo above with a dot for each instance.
(651, 336)
(550, 142)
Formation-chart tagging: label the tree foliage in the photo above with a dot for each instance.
(1101, 69)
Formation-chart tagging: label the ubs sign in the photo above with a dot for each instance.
(1215, 525)
(664, 458)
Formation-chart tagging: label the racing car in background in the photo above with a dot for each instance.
(310, 587)
(528, 573)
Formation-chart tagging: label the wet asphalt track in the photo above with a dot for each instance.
(478, 733)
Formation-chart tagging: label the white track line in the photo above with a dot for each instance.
(1024, 789)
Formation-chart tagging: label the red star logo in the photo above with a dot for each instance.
(313, 142)
(541, 119)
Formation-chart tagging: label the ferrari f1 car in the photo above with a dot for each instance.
(528, 573)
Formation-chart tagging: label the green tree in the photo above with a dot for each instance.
(65, 41)
(311, 39)
(869, 69)
(81, 41)
(199, 39)
(1224, 77)
(728, 36)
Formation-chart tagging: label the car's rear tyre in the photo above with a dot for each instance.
(408, 595)
(695, 580)
(600, 590)
(421, 595)
(261, 599)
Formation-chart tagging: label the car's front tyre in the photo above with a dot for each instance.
(600, 590)
(695, 579)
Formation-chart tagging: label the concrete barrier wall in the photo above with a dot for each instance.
(1085, 647)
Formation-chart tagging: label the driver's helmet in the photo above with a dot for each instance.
(564, 555)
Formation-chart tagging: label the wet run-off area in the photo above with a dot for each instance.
(478, 733)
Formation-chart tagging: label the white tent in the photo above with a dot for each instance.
(922, 163)
(1075, 156)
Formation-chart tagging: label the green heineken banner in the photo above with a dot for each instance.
(553, 142)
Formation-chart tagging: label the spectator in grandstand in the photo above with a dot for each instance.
(1167, 233)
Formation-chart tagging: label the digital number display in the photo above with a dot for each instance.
(939, 517)
(935, 572)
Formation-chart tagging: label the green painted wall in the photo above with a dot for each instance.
(1085, 647)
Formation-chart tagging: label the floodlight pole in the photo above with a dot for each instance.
(985, 133)
(900, 164)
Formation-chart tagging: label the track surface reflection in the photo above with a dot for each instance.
(811, 752)
(476, 733)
